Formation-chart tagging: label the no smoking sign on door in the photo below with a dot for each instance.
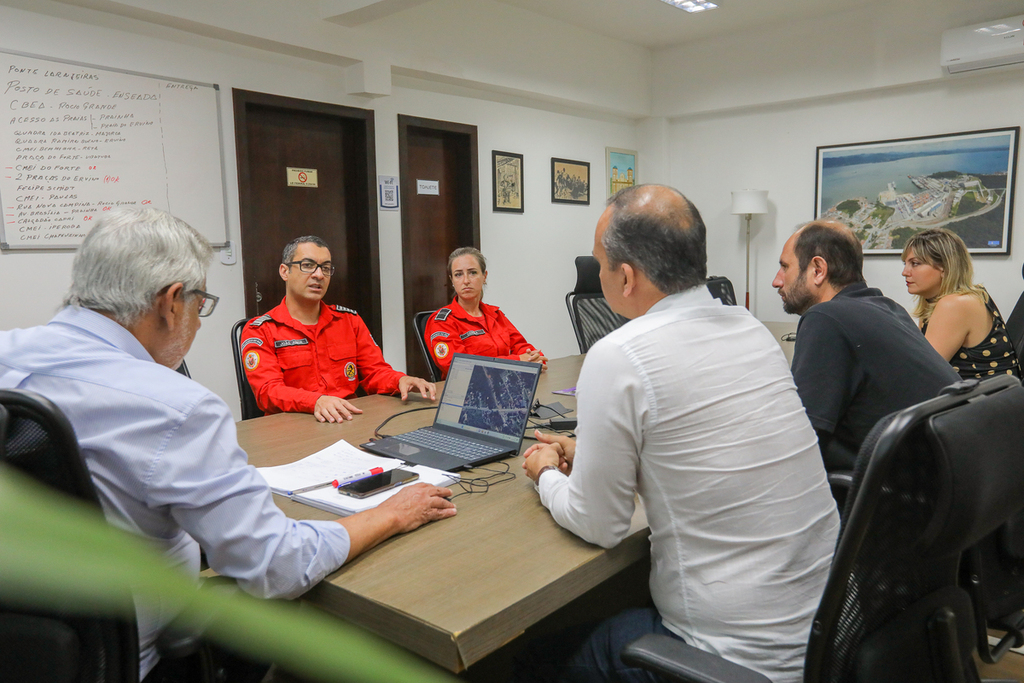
(301, 177)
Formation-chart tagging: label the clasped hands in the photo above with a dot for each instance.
(535, 356)
(335, 409)
(551, 449)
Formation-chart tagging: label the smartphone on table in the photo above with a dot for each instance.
(374, 484)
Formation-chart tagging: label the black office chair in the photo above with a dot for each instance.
(419, 327)
(930, 481)
(992, 572)
(47, 646)
(246, 398)
(591, 316)
(721, 288)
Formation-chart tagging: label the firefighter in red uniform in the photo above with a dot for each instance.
(470, 326)
(307, 357)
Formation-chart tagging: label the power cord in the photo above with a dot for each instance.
(376, 431)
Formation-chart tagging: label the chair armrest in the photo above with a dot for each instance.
(174, 643)
(840, 479)
(677, 661)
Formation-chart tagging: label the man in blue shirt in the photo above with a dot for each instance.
(162, 449)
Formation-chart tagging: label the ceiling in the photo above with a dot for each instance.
(655, 24)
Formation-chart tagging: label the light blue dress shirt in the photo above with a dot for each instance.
(164, 456)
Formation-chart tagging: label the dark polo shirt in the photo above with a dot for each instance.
(858, 358)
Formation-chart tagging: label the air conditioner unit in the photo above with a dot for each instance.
(984, 46)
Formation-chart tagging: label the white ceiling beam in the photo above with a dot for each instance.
(355, 12)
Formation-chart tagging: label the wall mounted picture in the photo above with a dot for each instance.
(620, 167)
(507, 181)
(570, 181)
(889, 190)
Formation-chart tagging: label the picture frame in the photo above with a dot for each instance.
(570, 181)
(889, 190)
(507, 182)
(620, 169)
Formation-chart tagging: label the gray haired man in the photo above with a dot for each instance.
(691, 405)
(161, 448)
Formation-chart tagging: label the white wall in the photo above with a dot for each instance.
(528, 253)
(773, 148)
(876, 45)
(748, 110)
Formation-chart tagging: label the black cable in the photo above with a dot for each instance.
(483, 484)
(376, 431)
(540, 425)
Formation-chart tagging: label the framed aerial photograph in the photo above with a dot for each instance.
(889, 190)
(507, 181)
(570, 181)
(620, 169)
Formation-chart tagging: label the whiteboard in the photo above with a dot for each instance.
(77, 141)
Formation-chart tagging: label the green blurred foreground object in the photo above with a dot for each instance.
(58, 553)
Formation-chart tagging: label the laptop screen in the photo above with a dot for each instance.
(488, 396)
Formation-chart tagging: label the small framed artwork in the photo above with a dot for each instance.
(620, 166)
(570, 181)
(887, 191)
(507, 181)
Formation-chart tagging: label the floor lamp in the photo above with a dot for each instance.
(748, 203)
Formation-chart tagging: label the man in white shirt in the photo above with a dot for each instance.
(691, 404)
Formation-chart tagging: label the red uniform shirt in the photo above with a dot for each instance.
(291, 365)
(452, 330)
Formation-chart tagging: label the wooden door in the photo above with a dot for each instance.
(276, 133)
(434, 225)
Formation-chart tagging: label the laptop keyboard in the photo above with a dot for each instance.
(452, 445)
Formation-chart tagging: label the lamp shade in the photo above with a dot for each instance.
(750, 201)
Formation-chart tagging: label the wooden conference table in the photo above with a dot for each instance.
(457, 590)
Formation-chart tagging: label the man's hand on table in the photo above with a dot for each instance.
(333, 409)
(551, 449)
(426, 389)
(418, 504)
(410, 508)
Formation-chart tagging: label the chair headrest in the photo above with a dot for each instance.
(588, 276)
(979, 469)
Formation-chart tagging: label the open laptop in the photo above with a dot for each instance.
(481, 416)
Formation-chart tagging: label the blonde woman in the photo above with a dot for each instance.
(958, 317)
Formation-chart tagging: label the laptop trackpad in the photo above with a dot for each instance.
(407, 449)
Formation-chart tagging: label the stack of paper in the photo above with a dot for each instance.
(338, 461)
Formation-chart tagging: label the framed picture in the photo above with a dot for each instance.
(507, 181)
(889, 190)
(570, 181)
(620, 167)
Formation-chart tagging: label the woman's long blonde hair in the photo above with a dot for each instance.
(940, 248)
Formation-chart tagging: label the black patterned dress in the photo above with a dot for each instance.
(993, 356)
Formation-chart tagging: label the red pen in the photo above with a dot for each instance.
(358, 475)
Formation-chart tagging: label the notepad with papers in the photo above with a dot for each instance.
(338, 461)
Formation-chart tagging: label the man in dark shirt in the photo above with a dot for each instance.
(859, 356)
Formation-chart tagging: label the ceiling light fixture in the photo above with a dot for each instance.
(691, 5)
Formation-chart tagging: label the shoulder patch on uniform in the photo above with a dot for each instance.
(251, 340)
(442, 314)
(281, 343)
(439, 334)
(342, 309)
(472, 333)
(260, 320)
